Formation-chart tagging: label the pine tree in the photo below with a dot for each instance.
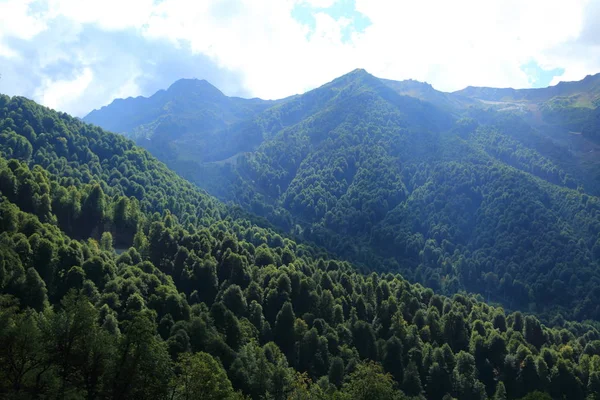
(500, 391)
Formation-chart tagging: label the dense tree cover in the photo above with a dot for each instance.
(203, 305)
(565, 112)
(199, 305)
(189, 122)
(102, 182)
(462, 195)
(591, 128)
(394, 185)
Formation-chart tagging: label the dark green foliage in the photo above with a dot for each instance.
(411, 384)
(450, 192)
(170, 295)
(284, 326)
(591, 127)
(336, 372)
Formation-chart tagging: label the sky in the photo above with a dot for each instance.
(79, 55)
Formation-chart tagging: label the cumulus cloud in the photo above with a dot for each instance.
(106, 14)
(320, 3)
(59, 94)
(469, 42)
(76, 68)
(17, 22)
(80, 54)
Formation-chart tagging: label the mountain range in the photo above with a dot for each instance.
(193, 123)
(485, 190)
(404, 248)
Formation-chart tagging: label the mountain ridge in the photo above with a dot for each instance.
(537, 93)
(119, 279)
(349, 165)
(469, 91)
(200, 92)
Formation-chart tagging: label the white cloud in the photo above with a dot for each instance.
(18, 20)
(276, 54)
(320, 3)
(460, 43)
(107, 14)
(450, 44)
(63, 94)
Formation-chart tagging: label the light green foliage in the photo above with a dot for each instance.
(202, 377)
(370, 382)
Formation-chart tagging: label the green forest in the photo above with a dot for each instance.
(479, 202)
(121, 280)
(398, 177)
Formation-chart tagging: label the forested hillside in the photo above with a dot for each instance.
(179, 125)
(433, 185)
(567, 105)
(120, 280)
(592, 127)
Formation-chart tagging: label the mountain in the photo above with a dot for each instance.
(119, 279)
(202, 296)
(566, 114)
(585, 91)
(181, 122)
(452, 102)
(592, 126)
(449, 192)
(188, 101)
(567, 105)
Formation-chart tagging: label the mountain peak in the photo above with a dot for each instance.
(194, 86)
(359, 73)
(357, 78)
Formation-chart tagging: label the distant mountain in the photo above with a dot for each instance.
(452, 102)
(189, 101)
(567, 105)
(180, 121)
(585, 91)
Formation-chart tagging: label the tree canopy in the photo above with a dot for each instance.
(119, 279)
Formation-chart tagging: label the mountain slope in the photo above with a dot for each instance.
(587, 91)
(205, 302)
(447, 101)
(567, 105)
(443, 208)
(477, 200)
(180, 122)
(371, 178)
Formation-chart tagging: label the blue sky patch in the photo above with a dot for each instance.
(305, 14)
(539, 77)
